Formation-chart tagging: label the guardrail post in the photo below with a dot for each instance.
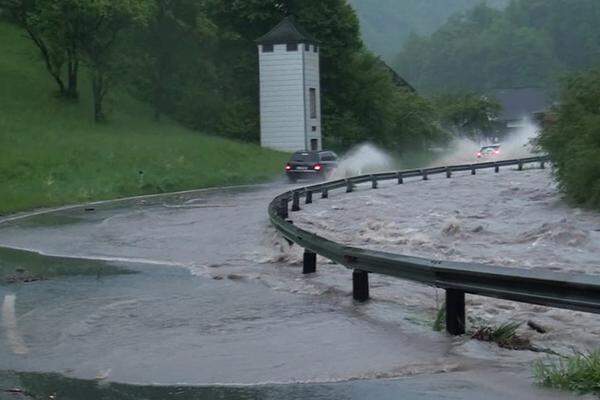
(349, 186)
(496, 168)
(400, 178)
(309, 197)
(360, 285)
(373, 182)
(455, 312)
(543, 165)
(448, 172)
(520, 165)
(283, 208)
(324, 193)
(296, 201)
(424, 173)
(309, 264)
(473, 170)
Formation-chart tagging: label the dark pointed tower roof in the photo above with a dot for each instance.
(287, 31)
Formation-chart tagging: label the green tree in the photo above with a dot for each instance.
(360, 101)
(530, 43)
(156, 51)
(60, 23)
(468, 114)
(573, 138)
(387, 24)
(571, 25)
(196, 60)
(102, 22)
(69, 31)
(53, 29)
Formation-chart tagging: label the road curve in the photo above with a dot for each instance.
(215, 300)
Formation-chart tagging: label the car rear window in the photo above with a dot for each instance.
(328, 157)
(304, 157)
(488, 149)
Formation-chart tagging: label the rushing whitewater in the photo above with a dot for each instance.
(511, 219)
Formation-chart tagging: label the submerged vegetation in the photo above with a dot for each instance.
(440, 318)
(504, 336)
(18, 266)
(579, 373)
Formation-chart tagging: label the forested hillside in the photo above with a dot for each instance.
(53, 153)
(387, 24)
(196, 61)
(530, 43)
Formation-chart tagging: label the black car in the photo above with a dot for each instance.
(311, 165)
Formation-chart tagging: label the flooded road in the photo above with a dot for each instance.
(511, 219)
(217, 298)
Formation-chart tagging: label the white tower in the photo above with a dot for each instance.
(290, 89)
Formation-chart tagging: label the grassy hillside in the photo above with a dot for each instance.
(53, 153)
(386, 24)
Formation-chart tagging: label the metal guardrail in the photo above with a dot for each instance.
(574, 291)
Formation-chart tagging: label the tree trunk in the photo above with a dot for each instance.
(157, 101)
(53, 70)
(162, 70)
(61, 86)
(98, 90)
(19, 11)
(72, 77)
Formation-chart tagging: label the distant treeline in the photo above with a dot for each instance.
(196, 61)
(387, 24)
(530, 43)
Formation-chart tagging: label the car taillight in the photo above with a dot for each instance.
(497, 152)
(288, 167)
(478, 154)
(317, 167)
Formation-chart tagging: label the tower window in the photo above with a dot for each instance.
(267, 48)
(306, 47)
(313, 102)
(292, 47)
(316, 49)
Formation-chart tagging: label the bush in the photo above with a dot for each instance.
(573, 140)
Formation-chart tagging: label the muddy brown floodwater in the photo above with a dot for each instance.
(511, 219)
(218, 304)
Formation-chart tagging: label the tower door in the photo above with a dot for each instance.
(314, 144)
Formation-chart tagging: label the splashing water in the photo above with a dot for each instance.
(362, 159)
(9, 322)
(515, 145)
(519, 144)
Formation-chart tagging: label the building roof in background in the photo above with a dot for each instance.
(396, 78)
(521, 102)
(287, 31)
